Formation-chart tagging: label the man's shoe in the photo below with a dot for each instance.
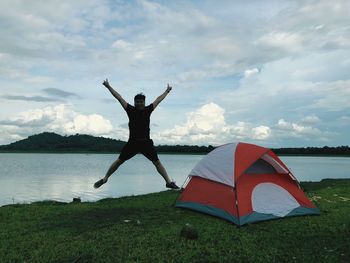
(172, 185)
(99, 183)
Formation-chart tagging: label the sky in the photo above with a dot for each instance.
(272, 73)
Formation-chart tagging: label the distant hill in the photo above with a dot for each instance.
(49, 141)
(52, 142)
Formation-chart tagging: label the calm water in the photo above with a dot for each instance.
(31, 177)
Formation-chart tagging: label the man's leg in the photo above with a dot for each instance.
(161, 170)
(112, 169)
(150, 152)
(127, 152)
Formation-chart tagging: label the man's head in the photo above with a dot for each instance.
(139, 101)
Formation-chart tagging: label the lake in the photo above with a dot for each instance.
(28, 177)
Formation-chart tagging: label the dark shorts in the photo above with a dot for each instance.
(134, 147)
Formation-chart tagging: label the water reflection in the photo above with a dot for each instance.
(33, 177)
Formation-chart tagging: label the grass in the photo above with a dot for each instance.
(147, 229)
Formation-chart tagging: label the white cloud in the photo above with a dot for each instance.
(202, 126)
(127, 51)
(310, 119)
(228, 47)
(261, 132)
(301, 131)
(282, 124)
(302, 86)
(217, 69)
(250, 72)
(291, 129)
(285, 41)
(121, 44)
(325, 9)
(91, 124)
(207, 118)
(207, 125)
(61, 119)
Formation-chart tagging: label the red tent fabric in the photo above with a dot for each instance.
(244, 183)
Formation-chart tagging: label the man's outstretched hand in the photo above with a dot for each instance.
(168, 89)
(115, 94)
(106, 83)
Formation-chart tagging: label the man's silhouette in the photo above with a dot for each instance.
(139, 139)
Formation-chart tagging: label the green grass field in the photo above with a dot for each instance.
(147, 229)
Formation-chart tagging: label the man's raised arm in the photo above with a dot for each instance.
(115, 94)
(161, 97)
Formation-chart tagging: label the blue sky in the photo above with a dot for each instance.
(274, 73)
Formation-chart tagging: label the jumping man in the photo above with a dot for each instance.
(139, 139)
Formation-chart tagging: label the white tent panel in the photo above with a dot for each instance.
(269, 198)
(218, 165)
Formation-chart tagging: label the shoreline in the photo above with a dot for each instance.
(303, 184)
(170, 153)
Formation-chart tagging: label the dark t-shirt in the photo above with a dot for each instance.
(139, 121)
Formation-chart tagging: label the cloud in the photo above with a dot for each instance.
(91, 124)
(307, 130)
(284, 41)
(59, 93)
(141, 38)
(61, 119)
(127, 51)
(214, 70)
(121, 44)
(297, 130)
(30, 98)
(56, 95)
(201, 126)
(290, 86)
(250, 72)
(333, 96)
(261, 132)
(207, 125)
(293, 63)
(311, 119)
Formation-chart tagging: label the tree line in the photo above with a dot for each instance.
(52, 142)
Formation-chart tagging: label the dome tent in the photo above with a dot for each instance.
(244, 183)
